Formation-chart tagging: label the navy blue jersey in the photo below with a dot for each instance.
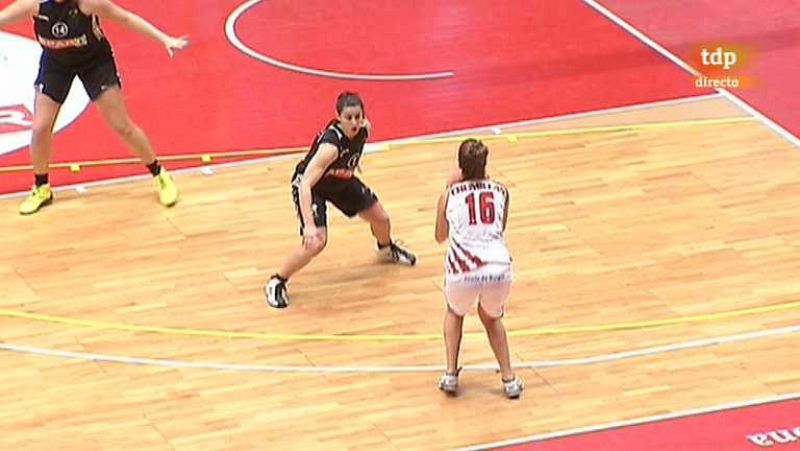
(349, 151)
(68, 36)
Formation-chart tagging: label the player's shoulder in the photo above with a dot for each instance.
(498, 185)
(91, 6)
(331, 135)
(32, 6)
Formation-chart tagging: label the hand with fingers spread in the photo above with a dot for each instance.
(365, 123)
(175, 44)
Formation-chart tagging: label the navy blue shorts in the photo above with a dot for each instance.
(351, 197)
(55, 79)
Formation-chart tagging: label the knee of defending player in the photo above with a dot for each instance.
(317, 246)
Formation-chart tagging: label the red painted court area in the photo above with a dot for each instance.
(774, 425)
(514, 61)
(766, 34)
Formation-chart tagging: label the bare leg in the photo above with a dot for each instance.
(44, 119)
(301, 256)
(453, 328)
(112, 107)
(379, 223)
(499, 342)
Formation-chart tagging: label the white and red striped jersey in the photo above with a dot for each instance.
(475, 212)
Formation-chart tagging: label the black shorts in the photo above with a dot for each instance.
(351, 197)
(55, 79)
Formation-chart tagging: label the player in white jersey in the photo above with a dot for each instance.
(472, 215)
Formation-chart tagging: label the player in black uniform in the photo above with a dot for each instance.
(326, 174)
(74, 45)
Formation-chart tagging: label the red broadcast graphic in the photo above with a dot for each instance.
(757, 41)
(722, 65)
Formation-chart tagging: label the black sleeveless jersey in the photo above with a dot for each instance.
(349, 151)
(68, 36)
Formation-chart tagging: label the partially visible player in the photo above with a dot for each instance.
(73, 45)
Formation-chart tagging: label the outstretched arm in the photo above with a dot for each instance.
(17, 11)
(106, 9)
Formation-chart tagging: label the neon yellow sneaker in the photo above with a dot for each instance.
(166, 187)
(38, 198)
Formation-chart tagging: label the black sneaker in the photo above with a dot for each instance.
(275, 291)
(397, 254)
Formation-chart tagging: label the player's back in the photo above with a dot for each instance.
(475, 214)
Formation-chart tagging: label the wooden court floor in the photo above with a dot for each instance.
(691, 223)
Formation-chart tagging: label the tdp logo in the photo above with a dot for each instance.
(718, 57)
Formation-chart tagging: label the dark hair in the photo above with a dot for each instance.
(472, 159)
(347, 99)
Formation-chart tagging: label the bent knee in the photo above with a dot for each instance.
(41, 128)
(123, 128)
(381, 218)
(318, 246)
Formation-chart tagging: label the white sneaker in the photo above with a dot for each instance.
(513, 388)
(448, 383)
(275, 291)
(396, 254)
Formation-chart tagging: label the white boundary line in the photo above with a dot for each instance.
(222, 366)
(378, 146)
(230, 32)
(772, 125)
(634, 422)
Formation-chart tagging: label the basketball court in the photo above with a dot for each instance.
(653, 226)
